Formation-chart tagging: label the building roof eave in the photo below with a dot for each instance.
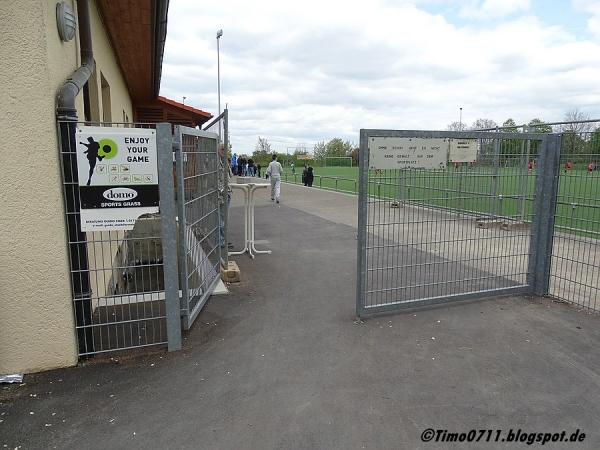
(189, 109)
(137, 30)
(161, 11)
(163, 109)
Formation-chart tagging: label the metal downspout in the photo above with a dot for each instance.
(66, 114)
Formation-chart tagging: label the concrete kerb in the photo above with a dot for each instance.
(348, 194)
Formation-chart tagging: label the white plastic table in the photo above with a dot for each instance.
(248, 189)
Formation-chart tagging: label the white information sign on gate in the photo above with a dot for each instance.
(118, 176)
(463, 150)
(407, 153)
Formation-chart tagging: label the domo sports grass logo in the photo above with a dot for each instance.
(119, 194)
(97, 151)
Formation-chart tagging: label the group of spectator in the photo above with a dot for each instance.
(307, 175)
(243, 166)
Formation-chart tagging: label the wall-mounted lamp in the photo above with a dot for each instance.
(65, 21)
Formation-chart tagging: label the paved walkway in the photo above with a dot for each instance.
(281, 364)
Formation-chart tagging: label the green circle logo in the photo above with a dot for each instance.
(108, 149)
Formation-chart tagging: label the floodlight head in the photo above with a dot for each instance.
(219, 34)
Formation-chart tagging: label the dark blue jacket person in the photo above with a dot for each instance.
(309, 177)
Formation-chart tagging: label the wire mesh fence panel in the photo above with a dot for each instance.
(198, 167)
(575, 270)
(220, 126)
(117, 276)
(457, 230)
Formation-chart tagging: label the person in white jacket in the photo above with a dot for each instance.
(274, 172)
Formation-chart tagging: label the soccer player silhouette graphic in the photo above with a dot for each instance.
(92, 153)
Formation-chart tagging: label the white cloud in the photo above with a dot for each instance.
(493, 9)
(592, 7)
(313, 70)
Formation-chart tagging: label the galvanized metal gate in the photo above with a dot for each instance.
(463, 230)
(124, 283)
(198, 168)
(140, 287)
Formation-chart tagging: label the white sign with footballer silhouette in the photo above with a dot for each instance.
(117, 170)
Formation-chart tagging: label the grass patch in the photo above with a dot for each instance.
(506, 192)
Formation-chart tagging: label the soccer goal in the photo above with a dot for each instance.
(337, 161)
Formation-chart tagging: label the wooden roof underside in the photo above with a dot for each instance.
(165, 110)
(133, 29)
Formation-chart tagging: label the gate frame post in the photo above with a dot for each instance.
(525, 155)
(181, 253)
(363, 197)
(542, 227)
(225, 209)
(164, 143)
(494, 184)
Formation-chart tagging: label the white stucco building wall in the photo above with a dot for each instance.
(37, 330)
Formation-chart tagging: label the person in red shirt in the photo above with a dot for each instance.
(530, 165)
(590, 167)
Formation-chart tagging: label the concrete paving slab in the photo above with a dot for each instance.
(220, 289)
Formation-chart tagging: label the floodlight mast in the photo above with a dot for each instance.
(219, 34)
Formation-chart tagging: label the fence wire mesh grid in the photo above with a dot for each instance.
(331, 183)
(575, 270)
(440, 234)
(220, 126)
(117, 277)
(199, 218)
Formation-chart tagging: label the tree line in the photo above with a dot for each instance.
(335, 147)
(578, 136)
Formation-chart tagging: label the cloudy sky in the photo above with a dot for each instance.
(305, 71)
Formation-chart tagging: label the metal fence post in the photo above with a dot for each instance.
(460, 205)
(522, 170)
(363, 197)
(525, 152)
(225, 213)
(542, 229)
(182, 248)
(494, 187)
(399, 190)
(164, 145)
